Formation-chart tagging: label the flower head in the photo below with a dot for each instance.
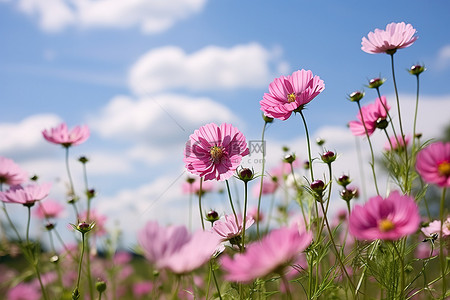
(396, 36)
(49, 209)
(61, 135)
(397, 142)
(290, 93)
(433, 164)
(11, 173)
(26, 195)
(215, 152)
(227, 228)
(24, 291)
(269, 186)
(435, 228)
(273, 253)
(372, 114)
(385, 219)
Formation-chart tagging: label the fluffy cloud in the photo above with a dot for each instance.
(152, 16)
(443, 59)
(207, 69)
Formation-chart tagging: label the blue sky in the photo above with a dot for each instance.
(144, 74)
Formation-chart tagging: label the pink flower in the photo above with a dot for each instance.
(23, 291)
(433, 164)
(26, 195)
(122, 257)
(61, 135)
(11, 173)
(400, 146)
(253, 213)
(277, 250)
(269, 187)
(99, 219)
(175, 249)
(194, 188)
(435, 227)
(227, 228)
(142, 288)
(372, 113)
(385, 219)
(396, 36)
(49, 209)
(291, 93)
(215, 152)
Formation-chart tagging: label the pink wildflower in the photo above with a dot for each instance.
(175, 249)
(290, 93)
(385, 219)
(400, 146)
(215, 152)
(435, 227)
(227, 228)
(269, 187)
(276, 251)
(433, 164)
(140, 289)
(253, 213)
(49, 209)
(396, 36)
(194, 188)
(61, 135)
(122, 257)
(23, 291)
(27, 195)
(11, 173)
(372, 113)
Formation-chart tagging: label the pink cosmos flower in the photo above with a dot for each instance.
(269, 187)
(49, 209)
(194, 188)
(122, 257)
(26, 195)
(423, 251)
(11, 173)
(253, 213)
(435, 227)
(396, 36)
(99, 219)
(140, 289)
(400, 146)
(385, 219)
(277, 250)
(289, 93)
(175, 249)
(372, 113)
(23, 291)
(61, 135)
(433, 164)
(215, 152)
(227, 228)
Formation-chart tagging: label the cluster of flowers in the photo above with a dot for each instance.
(298, 251)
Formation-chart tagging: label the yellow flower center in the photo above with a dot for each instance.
(216, 153)
(444, 168)
(386, 225)
(291, 97)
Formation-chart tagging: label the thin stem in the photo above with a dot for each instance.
(388, 115)
(441, 243)
(297, 188)
(80, 264)
(269, 217)
(372, 163)
(200, 203)
(262, 178)
(402, 270)
(361, 168)
(245, 216)
(11, 223)
(231, 202)
(309, 146)
(190, 206)
(415, 115)
(217, 284)
(286, 285)
(72, 190)
(28, 225)
(328, 199)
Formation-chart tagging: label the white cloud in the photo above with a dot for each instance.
(443, 59)
(152, 16)
(207, 69)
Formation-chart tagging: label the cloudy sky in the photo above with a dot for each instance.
(144, 74)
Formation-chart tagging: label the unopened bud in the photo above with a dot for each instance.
(416, 70)
(212, 216)
(328, 157)
(376, 82)
(356, 96)
(100, 286)
(289, 158)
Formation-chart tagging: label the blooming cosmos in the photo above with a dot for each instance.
(396, 36)
(435, 227)
(433, 164)
(215, 152)
(11, 173)
(227, 228)
(372, 114)
(61, 135)
(277, 250)
(26, 195)
(289, 93)
(397, 143)
(269, 186)
(175, 249)
(49, 209)
(385, 219)
(24, 291)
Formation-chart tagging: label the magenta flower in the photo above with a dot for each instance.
(385, 219)
(215, 152)
(396, 36)
(435, 228)
(61, 135)
(11, 173)
(49, 209)
(276, 251)
(433, 164)
(27, 195)
(291, 93)
(140, 289)
(227, 228)
(175, 249)
(400, 146)
(372, 113)
(23, 291)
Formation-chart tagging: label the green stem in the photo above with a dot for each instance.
(231, 202)
(388, 115)
(441, 244)
(216, 283)
(402, 271)
(11, 223)
(262, 178)
(200, 203)
(372, 163)
(309, 146)
(72, 190)
(361, 168)
(80, 263)
(297, 188)
(245, 216)
(415, 116)
(269, 217)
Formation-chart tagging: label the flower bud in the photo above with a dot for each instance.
(306, 165)
(376, 82)
(285, 148)
(344, 180)
(246, 175)
(34, 178)
(190, 180)
(418, 135)
(212, 216)
(90, 193)
(320, 141)
(83, 159)
(328, 157)
(289, 158)
(416, 70)
(54, 259)
(49, 226)
(382, 123)
(83, 227)
(318, 186)
(356, 96)
(100, 286)
(267, 119)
